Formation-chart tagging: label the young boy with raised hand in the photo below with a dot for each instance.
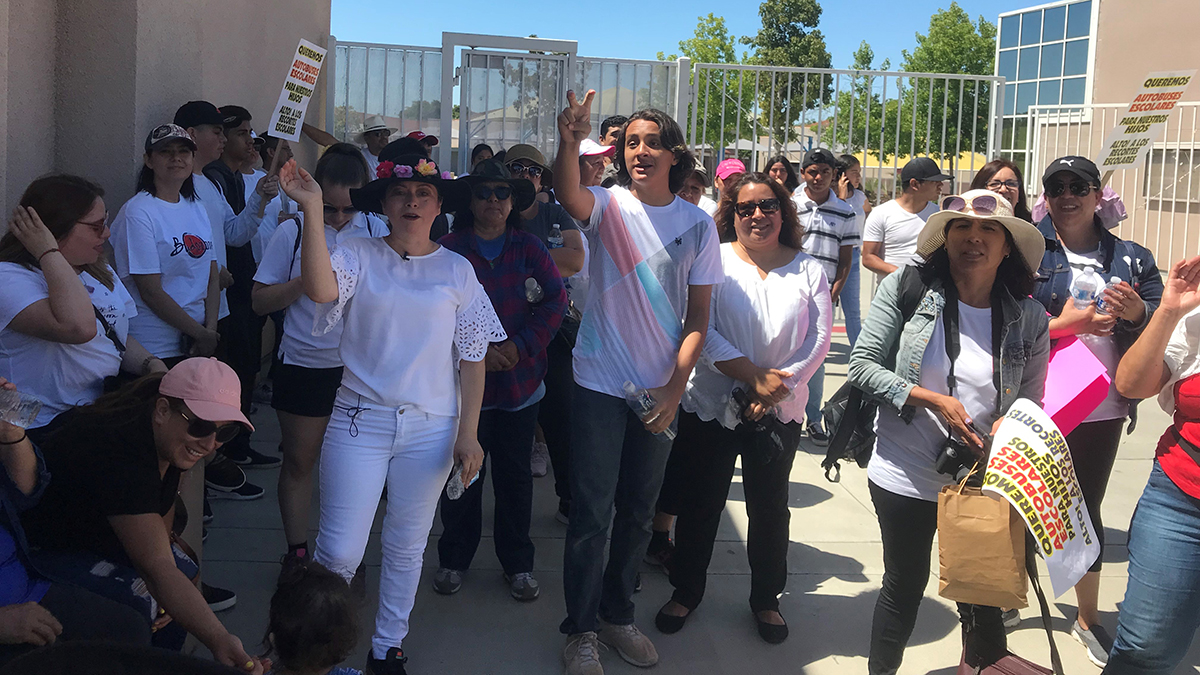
(654, 261)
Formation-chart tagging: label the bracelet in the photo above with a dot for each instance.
(22, 438)
(46, 253)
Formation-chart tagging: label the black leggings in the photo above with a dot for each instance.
(907, 525)
(87, 616)
(1093, 447)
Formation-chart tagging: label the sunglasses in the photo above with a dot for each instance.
(333, 211)
(981, 205)
(198, 428)
(518, 169)
(997, 184)
(746, 209)
(1078, 188)
(483, 192)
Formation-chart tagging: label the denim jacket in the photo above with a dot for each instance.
(888, 379)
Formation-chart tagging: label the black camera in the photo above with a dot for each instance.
(957, 459)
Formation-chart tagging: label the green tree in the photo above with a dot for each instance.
(721, 107)
(863, 118)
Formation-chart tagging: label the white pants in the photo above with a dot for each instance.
(366, 444)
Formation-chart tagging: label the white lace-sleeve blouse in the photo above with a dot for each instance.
(407, 323)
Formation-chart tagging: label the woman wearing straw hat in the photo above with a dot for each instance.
(972, 344)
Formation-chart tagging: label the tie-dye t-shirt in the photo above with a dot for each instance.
(643, 258)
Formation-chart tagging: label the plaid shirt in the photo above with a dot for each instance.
(529, 326)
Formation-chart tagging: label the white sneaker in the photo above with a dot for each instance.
(581, 655)
(630, 643)
(539, 460)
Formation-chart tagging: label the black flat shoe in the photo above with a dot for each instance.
(667, 623)
(771, 633)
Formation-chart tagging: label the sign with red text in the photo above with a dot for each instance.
(1031, 467)
(298, 89)
(1144, 121)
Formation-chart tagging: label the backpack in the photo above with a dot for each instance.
(849, 417)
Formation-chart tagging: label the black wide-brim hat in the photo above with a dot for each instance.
(494, 171)
(369, 198)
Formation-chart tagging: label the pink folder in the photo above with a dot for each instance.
(1076, 383)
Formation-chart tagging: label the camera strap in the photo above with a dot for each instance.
(950, 325)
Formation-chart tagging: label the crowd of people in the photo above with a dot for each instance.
(597, 315)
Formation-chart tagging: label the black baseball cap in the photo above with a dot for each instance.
(1080, 166)
(233, 116)
(818, 156)
(195, 113)
(921, 168)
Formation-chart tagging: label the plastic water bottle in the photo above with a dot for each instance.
(642, 402)
(1085, 288)
(533, 291)
(555, 240)
(1101, 305)
(18, 409)
(455, 487)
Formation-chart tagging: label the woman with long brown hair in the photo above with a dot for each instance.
(1004, 178)
(64, 314)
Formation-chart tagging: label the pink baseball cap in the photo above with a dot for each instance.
(729, 167)
(210, 389)
(590, 148)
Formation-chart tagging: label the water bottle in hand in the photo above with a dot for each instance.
(533, 291)
(1101, 305)
(555, 240)
(19, 410)
(455, 486)
(1085, 288)
(642, 402)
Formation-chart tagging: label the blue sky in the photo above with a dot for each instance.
(601, 30)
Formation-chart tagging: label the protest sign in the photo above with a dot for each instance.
(298, 88)
(1031, 467)
(1144, 121)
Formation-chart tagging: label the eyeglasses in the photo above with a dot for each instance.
(981, 205)
(519, 169)
(198, 428)
(484, 192)
(1078, 188)
(333, 211)
(746, 209)
(98, 226)
(997, 184)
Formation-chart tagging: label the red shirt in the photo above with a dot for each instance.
(1179, 464)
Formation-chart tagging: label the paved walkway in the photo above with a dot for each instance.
(835, 565)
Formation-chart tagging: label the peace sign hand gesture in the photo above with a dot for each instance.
(1181, 293)
(575, 121)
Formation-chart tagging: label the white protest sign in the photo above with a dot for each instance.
(1031, 467)
(1144, 121)
(298, 89)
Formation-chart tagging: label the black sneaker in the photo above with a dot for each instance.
(816, 434)
(391, 664)
(223, 475)
(249, 458)
(218, 599)
(247, 492)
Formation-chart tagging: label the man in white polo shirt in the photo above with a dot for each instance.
(830, 235)
(890, 233)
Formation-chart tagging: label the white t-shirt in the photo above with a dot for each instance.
(372, 161)
(905, 454)
(281, 263)
(898, 230)
(407, 323)
(1104, 347)
(856, 201)
(709, 205)
(784, 321)
(1182, 357)
(643, 258)
(60, 375)
(152, 236)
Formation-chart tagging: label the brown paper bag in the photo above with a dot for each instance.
(981, 549)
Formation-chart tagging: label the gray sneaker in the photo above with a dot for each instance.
(522, 586)
(1011, 617)
(630, 643)
(581, 655)
(447, 581)
(1096, 640)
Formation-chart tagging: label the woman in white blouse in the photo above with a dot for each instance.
(768, 331)
(417, 326)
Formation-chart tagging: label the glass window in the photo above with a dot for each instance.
(1031, 28)
(1075, 58)
(1026, 96)
(1054, 21)
(1073, 90)
(1010, 31)
(1010, 98)
(1029, 64)
(1052, 60)
(1048, 92)
(1079, 19)
(1008, 64)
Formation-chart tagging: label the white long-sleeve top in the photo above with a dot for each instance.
(784, 321)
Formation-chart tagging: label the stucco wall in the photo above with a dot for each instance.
(1135, 37)
(29, 109)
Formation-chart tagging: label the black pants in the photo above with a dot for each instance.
(87, 616)
(506, 438)
(241, 348)
(555, 413)
(908, 525)
(1093, 447)
(711, 450)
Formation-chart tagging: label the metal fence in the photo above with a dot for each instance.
(401, 83)
(1161, 197)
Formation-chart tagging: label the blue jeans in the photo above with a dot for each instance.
(1161, 611)
(816, 391)
(615, 464)
(849, 298)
